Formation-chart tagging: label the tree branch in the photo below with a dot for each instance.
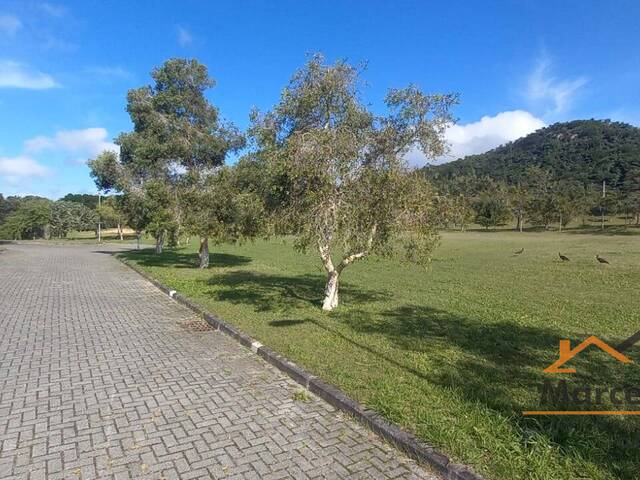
(357, 256)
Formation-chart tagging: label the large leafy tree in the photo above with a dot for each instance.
(31, 219)
(67, 216)
(178, 139)
(222, 210)
(492, 209)
(343, 185)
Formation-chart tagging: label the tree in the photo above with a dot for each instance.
(219, 209)
(160, 223)
(520, 202)
(177, 139)
(454, 209)
(542, 186)
(568, 202)
(175, 126)
(67, 216)
(89, 201)
(492, 209)
(346, 184)
(31, 219)
(110, 211)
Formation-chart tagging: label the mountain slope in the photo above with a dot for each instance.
(586, 151)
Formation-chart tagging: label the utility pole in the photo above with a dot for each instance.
(604, 195)
(99, 220)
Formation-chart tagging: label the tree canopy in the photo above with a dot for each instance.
(338, 170)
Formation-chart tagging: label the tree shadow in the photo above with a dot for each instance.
(180, 259)
(281, 292)
(609, 230)
(500, 365)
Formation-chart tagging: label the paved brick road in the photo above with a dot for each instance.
(103, 376)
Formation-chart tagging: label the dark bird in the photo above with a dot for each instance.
(563, 257)
(602, 260)
(519, 252)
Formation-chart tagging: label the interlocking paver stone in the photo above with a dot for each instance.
(103, 376)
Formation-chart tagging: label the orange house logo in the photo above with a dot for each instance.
(567, 353)
(565, 393)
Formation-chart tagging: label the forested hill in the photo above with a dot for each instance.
(584, 151)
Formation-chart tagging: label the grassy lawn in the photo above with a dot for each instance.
(455, 352)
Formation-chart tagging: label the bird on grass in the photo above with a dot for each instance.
(602, 260)
(563, 257)
(519, 252)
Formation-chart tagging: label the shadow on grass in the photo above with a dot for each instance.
(497, 365)
(282, 292)
(180, 259)
(609, 230)
(500, 366)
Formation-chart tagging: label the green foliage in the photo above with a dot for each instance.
(492, 209)
(67, 216)
(341, 181)
(174, 123)
(158, 203)
(177, 141)
(456, 210)
(221, 209)
(5, 208)
(31, 219)
(108, 173)
(89, 201)
(111, 211)
(582, 151)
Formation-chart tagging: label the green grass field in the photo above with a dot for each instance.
(453, 353)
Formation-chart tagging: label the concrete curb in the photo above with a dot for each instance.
(403, 440)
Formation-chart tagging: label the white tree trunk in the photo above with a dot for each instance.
(331, 292)
(204, 252)
(120, 231)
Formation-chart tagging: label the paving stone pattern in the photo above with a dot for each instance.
(103, 376)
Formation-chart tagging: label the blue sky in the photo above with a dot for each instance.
(65, 67)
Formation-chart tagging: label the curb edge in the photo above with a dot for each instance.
(405, 441)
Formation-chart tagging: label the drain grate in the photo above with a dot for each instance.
(195, 324)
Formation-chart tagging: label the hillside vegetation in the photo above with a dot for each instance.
(581, 151)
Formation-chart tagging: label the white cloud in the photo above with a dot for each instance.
(15, 169)
(184, 37)
(483, 135)
(558, 95)
(9, 25)
(82, 143)
(18, 75)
